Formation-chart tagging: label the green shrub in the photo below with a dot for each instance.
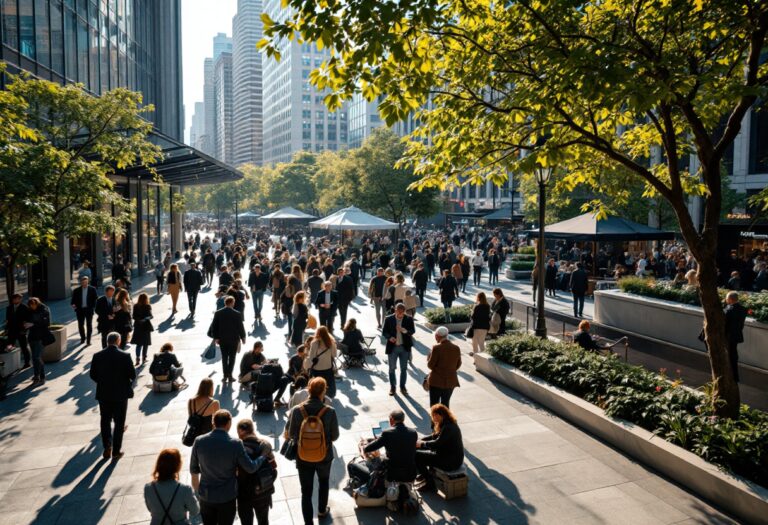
(678, 414)
(531, 250)
(524, 257)
(458, 314)
(521, 266)
(755, 303)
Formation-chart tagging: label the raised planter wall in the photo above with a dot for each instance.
(452, 327)
(518, 275)
(673, 322)
(54, 351)
(736, 495)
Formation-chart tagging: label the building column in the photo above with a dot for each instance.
(58, 267)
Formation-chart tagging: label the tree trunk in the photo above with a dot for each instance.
(725, 386)
(10, 277)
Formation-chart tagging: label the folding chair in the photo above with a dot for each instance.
(368, 345)
(351, 361)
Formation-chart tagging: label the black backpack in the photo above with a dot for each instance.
(264, 478)
(194, 427)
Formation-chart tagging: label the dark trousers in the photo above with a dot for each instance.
(22, 339)
(141, 351)
(330, 380)
(218, 513)
(426, 459)
(343, 307)
(733, 356)
(578, 304)
(307, 473)
(192, 298)
(104, 338)
(159, 282)
(247, 507)
(209, 275)
(440, 395)
(113, 411)
(420, 292)
(477, 275)
(228, 352)
(282, 384)
(493, 275)
(326, 318)
(359, 470)
(85, 323)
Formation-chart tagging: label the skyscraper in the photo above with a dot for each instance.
(197, 130)
(295, 117)
(247, 118)
(223, 105)
(208, 139)
(221, 44)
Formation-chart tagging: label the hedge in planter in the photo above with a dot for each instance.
(458, 314)
(530, 250)
(523, 257)
(755, 303)
(521, 266)
(679, 415)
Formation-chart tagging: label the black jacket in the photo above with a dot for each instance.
(584, 340)
(390, 330)
(345, 288)
(447, 287)
(420, 279)
(41, 320)
(320, 299)
(579, 282)
(113, 372)
(314, 285)
(400, 443)
(258, 283)
(15, 319)
(103, 310)
(448, 445)
(735, 315)
(481, 316)
(162, 362)
(227, 326)
(193, 280)
(550, 276)
(91, 297)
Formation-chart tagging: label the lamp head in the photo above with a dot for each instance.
(543, 174)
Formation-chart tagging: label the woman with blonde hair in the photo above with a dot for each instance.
(300, 313)
(320, 359)
(168, 500)
(173, 284)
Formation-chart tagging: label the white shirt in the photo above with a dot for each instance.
(84, 297)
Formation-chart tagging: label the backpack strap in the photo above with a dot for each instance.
(166, 509)
(303, 411)
(322, 412)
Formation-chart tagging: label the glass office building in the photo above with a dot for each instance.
(103, 45)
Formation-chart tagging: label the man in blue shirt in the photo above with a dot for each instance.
(214, 462)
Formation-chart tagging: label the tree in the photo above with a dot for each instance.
(58, 147)
(585, 86)
(291, 183)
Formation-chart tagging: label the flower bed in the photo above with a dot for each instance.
(755, 303)
(669, 410)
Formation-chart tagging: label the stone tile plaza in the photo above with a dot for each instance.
(444, 262)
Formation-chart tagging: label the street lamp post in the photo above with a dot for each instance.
(542, 177)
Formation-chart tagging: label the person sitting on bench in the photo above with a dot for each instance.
(353, 341)
(444, 449)
(252, 362)
(165, 366)
(584, 339)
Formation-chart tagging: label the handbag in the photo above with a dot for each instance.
(311, 322)
(425, 383)
(288, 449)
(469, 332)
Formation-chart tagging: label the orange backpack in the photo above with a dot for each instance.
(312, 446)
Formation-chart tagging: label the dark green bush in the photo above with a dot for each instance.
(524, 257)
(458, 314)
(678, 414)
(755, 303)
(531, 250)
(521, 266)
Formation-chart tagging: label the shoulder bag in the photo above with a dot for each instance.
(194, 424)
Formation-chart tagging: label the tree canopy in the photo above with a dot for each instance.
(58, 147)
(589, 87)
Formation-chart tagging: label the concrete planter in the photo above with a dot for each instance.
(518, 275)
(672, 322)
(55, 350)
(452, 327)
(747, 501)
(11, 360)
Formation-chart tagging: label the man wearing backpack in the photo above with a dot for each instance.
(254, 491)
(313, 427)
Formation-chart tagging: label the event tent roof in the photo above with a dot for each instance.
(248, 215)
(287, 213)
(587, 228)
(353, 218)
(503, 214)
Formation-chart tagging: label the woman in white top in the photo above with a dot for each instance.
(477, 267)
(322, 353)
(167, 500)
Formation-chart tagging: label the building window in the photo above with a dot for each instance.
(27, 29)
(306, 113)
(10, 24)
(306, 99)
(320, 114)
(758, 140)
(57, 38)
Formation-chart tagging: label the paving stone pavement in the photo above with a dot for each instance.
(526, 465)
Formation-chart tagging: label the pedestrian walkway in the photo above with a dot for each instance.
(526, 465)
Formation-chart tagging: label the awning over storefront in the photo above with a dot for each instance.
(184, 165)
(587, 228)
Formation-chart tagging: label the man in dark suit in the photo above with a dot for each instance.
(345, 291)
(84, 303)
(113, 372)
(579, 283)
(327, 301)
(400, 443)
(228, 330)
(16, 315)
(193, 281)
(735, 315)
(398, 330)
(105, 313)
(420, 279)
(314, 284)
(355, 272)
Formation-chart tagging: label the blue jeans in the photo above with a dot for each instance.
(398, 354)
(258, 301)
(37, 359)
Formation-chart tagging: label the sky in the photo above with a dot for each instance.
(201, 20)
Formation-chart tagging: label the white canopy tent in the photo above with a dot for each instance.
(287, 214)
(353, 218)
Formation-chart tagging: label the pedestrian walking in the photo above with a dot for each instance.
(252, 497)
(159, 277)
(300, 318)
(494, 262)
(327, 303)
(105, 313)
(83, 302)
(258, 282)
(142, 327)
(123, 311)
(174, 285)
(38, 335)
(193, 281)
(113, 373)
(478, 261)
(735, 316)
(167, 499)
(320, 359)
(376, 293)
(398, 330)
(15, 316)
(228, 332)
(578, 285)
(480, 322)
(345, 290)
(444, 361)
